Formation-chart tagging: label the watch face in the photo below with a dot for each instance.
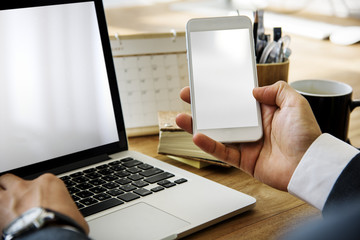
(24, 221)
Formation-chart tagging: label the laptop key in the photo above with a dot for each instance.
(81, 179)
(123, 181)
(97, 189)
(75, 198)
(133, 170)
(97, 182)
(140, 183)
(132, 163)
(101, 206)
(157, 189)
(103, 166)
(135, 177)
(142, 192)
(117, 162)
(128, 188)
(151, 172)
(169, 185)
(126, 159)
(106, 172)
(163, 182)
(122, 174)
(166, 183)
(69, 183)
(159, 177)
(110, 185)
(180, 181)
(93, 175)
(84, 186)
(79, 205)
(110, 178)
(84, 194)
(145, 166)
(127, 197)
(64, 178)
(73, 190)
(102, 196)
(115, 192)
(118, 168)
(88, 201)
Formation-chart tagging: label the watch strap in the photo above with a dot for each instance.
(61, 219)
(49, 218)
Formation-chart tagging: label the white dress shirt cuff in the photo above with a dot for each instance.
(319, 169)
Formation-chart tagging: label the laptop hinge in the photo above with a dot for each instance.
(72, 166)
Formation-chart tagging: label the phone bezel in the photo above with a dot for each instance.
(226, 135)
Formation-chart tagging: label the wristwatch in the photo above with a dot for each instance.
(37, 218)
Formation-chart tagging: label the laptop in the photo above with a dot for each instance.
(61, 113)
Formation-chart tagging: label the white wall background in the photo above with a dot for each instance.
(340, 8)
(123, 3)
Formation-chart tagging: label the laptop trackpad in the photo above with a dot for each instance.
(139, 221)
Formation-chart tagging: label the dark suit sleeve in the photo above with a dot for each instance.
(346, 188)
(54, 233)
(343, 224)
(341, 210)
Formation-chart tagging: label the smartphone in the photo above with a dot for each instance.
(222, 73)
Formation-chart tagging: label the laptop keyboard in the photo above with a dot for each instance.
(109, 185)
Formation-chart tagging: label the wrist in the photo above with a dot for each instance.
(38, 218)
(64, 226)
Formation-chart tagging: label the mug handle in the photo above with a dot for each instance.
(354, 104)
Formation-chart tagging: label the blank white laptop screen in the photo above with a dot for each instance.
(41, 63)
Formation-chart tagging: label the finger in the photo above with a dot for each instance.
(278, 94)
(218, 150)
(8, 180)
(185, 94)
(184, 121)
(60, 199)
(49, 179)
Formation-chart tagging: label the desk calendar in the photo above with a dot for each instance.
(151, 69)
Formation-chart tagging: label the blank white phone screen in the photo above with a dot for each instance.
(223, 79)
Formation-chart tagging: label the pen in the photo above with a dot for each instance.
(261, 44)
(255, 29)
(260, 34)
(280, 56)
(261, 28)
(277, 33)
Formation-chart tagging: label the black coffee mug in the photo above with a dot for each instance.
(331, 102)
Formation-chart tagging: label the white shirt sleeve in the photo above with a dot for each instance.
(319, 169)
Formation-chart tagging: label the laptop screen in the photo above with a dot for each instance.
(55, 96)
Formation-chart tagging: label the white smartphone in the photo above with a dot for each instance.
(222, 72)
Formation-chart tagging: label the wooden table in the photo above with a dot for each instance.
(276, 212)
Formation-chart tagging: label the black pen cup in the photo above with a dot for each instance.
(331, 102)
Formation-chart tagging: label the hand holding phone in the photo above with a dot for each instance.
(222, 73)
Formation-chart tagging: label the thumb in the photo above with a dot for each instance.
(277, 94)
